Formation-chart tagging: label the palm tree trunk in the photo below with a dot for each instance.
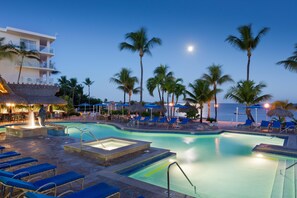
(73, 96)
(216, 103)
(168, 105)
(249, 114)
(141, 78)
(201, 110)
(20, 71)
(248, 67)
(172, 107)
(125, 98)
(89, 95)
(159, 94)
(208, 109)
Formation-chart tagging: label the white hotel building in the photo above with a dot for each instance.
(33, 71)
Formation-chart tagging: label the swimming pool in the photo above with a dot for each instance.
(219, 165)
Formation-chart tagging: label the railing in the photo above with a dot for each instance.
(42, 65)
(168, 178)
(82, 132)
(41, 48)
(32, 80)
(46, 49)
(291, 166)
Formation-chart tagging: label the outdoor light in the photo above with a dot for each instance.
(10, 104)
(266, 105)
(216, 105)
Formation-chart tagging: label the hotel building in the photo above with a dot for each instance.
(33, 71)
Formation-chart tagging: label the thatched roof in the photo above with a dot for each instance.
(28, 94)
(7, 95)
(280, 112)
(37, 94)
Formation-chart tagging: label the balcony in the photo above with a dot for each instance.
(42, 66)
(35, 80)
(42, 48)
(45, 49)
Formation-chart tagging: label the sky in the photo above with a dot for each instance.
(89, 32)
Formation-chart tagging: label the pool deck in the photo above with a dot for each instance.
(49, 149)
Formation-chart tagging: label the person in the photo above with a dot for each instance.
(41, 116)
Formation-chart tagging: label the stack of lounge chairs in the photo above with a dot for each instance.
(18, 182)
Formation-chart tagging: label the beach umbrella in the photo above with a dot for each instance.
(100, 105)
(152, 106)
(84, 105)
(187, 108)
(280, 112)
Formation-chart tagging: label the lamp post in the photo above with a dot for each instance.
(266, 106)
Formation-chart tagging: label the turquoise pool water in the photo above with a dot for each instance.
(219, 165)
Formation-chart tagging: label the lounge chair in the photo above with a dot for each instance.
(28, 171)
(248, 123)
(162, 121)
(264, 125)
(46, 185)
(172, 122)
(9, 154)
(184, 122)
(289, 126)
(2, 148)
(17, 162)
(154, 120)
(99, 190)
(276, 125)
(145, 120)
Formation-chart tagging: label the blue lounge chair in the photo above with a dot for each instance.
(17, 162)
(2, 148)
(9, 154)
(276, 125)
(289, 126)
(145, 120)
(264, 125)
(44, 185)
(28, 171)
(154, 120)
(100, 190)
(184, 122)
(248, 123)
(162, 121)
(172, 122)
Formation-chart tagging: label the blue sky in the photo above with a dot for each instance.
(89, 32)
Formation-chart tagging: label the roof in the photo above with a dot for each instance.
(29, 93)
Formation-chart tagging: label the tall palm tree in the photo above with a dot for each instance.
(5, 51)
(291, 62)
(23, 52)
(64, 85)
(246, 42)
(88, 83)
(215, 78)
(200, 93)
(140, 43)
(248, 93)
(284, 104)
(124, 79)
(73, 84)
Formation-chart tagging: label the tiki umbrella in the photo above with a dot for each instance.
(151, 107)
(187, 107)
(137, 107)
(280, 112)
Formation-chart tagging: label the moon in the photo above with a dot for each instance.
(190, 48)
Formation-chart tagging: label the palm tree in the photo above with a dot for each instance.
(5, 51)
(130, 87)
(73, 84)
(284, 104)
(88, 82)
(291, 62)
(124, 79)
(23, 52)
(248, 93)
(214, 78)
(200, 93)
(140, 43)
(162, 75)
(246, 42)
(64, 85)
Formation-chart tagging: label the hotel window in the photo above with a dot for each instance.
(30, 45)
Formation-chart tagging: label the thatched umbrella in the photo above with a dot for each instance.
(8, 96)
(280, 112)
(137, 107)
(187, 108)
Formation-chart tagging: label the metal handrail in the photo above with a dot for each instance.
(168, 178)
(85, 131)
(291, 166)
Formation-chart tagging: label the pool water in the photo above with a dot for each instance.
(219, 165)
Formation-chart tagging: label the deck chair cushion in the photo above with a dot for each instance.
(17, 162)
(17, 183)
(9, 154)
(59, 179)
(31, 170)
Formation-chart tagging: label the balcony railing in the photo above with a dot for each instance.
(43, 65)
(42, 48)
(34, 80)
